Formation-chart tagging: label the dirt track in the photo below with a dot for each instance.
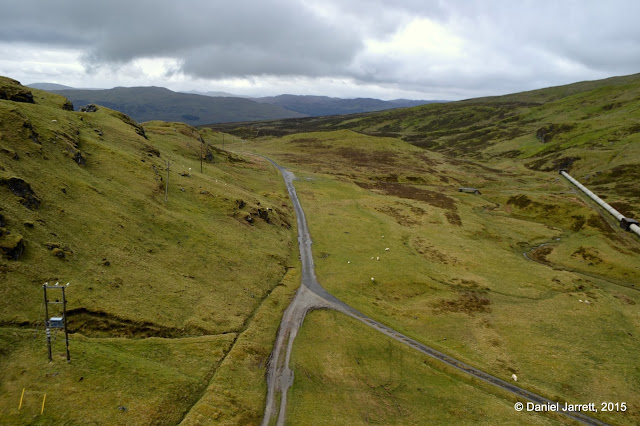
(311, 295)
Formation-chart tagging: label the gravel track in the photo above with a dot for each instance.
(311, 295)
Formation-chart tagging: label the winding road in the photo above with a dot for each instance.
(311, 295)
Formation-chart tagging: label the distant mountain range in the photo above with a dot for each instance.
(196, 108)
(157, 103)
(316, 106)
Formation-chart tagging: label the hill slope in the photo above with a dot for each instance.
(161, 291)
(592, 127)
(316, 106)
(157, 103)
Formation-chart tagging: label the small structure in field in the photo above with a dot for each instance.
(470, 191)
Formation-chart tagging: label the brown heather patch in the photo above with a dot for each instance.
(540, 254)
(453, 218)
(588, 254)
(433, 198)
(431, 253)
(399, 216)
(469, 302)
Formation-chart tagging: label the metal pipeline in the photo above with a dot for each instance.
(625, 223)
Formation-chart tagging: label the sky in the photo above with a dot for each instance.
(414, 49)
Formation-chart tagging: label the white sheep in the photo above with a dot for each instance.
(514, 377)
(377, 257)
(372, 280)
(387, 249)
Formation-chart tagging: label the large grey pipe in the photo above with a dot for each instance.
(626, 223)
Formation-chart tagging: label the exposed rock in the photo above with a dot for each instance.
(79, 159)
(128, 120)
(89, 108)
(11, 244)
(249, 219)
(29, 132)
(67, 105)
(22, 189)
(264, 215)
(14, 91)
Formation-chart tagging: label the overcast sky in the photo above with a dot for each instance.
(420, 49)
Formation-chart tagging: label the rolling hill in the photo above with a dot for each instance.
(162, 292)
(316, 106)
(174, 305)
(157, 103)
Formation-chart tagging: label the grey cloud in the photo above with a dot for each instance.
(508, 45)
(212, 38)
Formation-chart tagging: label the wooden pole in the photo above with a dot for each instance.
(46, 320)
(166, 184)
(64, 317)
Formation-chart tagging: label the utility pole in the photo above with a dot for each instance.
(46, 320)
(56, 322)
(166, 184)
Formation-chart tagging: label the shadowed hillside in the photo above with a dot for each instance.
(158, 103)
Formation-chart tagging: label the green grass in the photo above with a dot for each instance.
(348, 373)
(237, 391)
(155, 379)
(455, 276)
(160, 291)
(177, 303)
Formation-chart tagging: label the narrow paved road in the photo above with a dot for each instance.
(311, 295)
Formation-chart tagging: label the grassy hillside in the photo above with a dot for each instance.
(158, 103)
(593, 128)
(174, 305)
(315, 106)
(525, 278)
(161, 292)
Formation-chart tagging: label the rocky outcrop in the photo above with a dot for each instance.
(11, 244)
(12, 90)
(22, 189)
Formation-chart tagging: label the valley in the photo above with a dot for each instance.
(175, 306)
